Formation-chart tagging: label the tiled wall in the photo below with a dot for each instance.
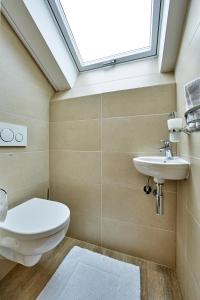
(188, 209)
(24, 99)
(92, 142)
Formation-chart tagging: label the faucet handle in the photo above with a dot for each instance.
(167, 143)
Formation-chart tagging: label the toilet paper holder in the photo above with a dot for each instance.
(193, 122)
(191, 126)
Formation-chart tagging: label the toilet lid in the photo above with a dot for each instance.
(36, 218)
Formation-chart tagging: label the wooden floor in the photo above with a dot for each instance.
(157, 282)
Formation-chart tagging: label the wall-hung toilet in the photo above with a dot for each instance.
(33, 228)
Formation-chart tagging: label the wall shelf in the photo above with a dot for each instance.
(191, 110)
(193, 124)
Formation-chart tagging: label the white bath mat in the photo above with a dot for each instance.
(85, 275)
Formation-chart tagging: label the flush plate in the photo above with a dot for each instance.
(12, 135)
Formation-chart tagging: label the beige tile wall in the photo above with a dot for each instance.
(188, 208)
(93, 140)
(24, 99)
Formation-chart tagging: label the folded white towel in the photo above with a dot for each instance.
(3, 205)
(192, 94)
(192, 91)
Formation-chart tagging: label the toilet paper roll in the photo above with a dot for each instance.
(176, 123)
(3, 205)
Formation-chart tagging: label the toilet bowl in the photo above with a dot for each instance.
(33, 228)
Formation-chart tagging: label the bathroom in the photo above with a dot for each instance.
(78, 127)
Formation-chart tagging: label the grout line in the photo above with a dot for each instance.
(133, 188)
(16, 115)
(14, 153)
(153, 227)
(101, 136)
(109, 152)
(137, 116)
(113, 117)
(74, 151)
(72, 121)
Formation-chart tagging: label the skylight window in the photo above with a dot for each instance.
(106, 32)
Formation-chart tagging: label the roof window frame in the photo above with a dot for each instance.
(61, 20)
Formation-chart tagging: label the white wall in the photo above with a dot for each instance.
(125, 76)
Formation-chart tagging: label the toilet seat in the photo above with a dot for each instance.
(36, 218)
(32, 229)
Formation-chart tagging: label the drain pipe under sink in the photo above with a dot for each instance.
(158, 193)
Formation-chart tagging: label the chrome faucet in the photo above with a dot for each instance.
(167, 149)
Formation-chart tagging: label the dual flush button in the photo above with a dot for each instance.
(7, 135)
(13, 135)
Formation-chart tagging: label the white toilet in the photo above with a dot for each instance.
(33, 228)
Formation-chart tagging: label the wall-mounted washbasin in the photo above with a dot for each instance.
(161, 168)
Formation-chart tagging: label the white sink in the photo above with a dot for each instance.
(160, 168)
